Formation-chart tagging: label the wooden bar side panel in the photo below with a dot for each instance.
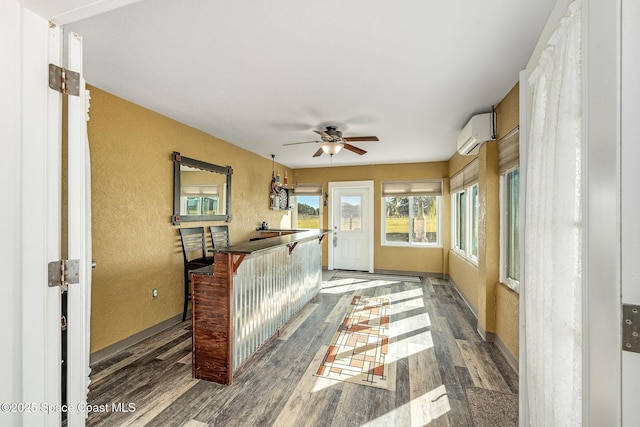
(212, 335)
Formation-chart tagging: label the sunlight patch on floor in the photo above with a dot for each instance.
(419, 411)
(405, 295)
(350, 285)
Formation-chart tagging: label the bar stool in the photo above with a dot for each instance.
(219, 236)
(194, 249)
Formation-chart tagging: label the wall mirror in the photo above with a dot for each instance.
(201, 191)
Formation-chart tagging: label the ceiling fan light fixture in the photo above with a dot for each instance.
(331, 148)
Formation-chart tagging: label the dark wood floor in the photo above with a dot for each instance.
(438, 356)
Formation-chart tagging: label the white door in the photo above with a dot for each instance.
(630, 200)
(351, 245)
(34, 227)
(79, 240)
(33, 219)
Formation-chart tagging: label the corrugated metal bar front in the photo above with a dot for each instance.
(268, 289)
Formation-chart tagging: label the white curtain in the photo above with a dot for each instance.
(553, 232)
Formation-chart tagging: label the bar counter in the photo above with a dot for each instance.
(251, 291)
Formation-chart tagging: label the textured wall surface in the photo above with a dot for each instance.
(507, 326)
(497, 308)
(135, 245)
(507, 301)
(465, 275)
(488, 234)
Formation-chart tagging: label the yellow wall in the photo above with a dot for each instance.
(507, 301)
(496, 305)
(507, 318)
(135, 245)
(465, 275)
(488, 235)
(463, 272)
(386, 257)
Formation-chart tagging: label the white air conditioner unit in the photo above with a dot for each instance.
(478, 130)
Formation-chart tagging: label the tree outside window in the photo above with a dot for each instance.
(411, 219)
(308, 209)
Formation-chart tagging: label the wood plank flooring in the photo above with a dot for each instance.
(438, 356)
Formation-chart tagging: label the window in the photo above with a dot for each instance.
(307, 211)
(465, 222)
(510, 228)
(474, 221)
(464, 211)
(411, 213)
(509, 170)
(460, 220)
(199, 199)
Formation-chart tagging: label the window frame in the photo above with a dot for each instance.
(466, 218)
(504, 224)
(410, 244)
(294, 210)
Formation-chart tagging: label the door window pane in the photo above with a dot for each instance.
(351, 213)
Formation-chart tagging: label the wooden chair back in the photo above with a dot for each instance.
(193, 243)
(219, 235)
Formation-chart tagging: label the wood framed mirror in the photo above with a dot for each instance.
(201, 191)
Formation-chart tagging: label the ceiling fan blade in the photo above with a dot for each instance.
(305, 142)
(352, 148)
(322, 134)
(361, 138)
(318, 153)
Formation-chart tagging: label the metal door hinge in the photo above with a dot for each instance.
(64, 81)
(631, 328)
(64, 272)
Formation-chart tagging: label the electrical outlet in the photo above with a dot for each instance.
(154, 293)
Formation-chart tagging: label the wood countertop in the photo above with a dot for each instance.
(266, 244)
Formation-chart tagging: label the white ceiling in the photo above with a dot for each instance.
(260, 74)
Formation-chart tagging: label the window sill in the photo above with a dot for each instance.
(411, 245)
(512, 285)
(463, 255)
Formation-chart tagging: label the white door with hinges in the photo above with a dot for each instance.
(630, 206)
(351, 244)
(33, 182)
(30, 310)
(30, 306)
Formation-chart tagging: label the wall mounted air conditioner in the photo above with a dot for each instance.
(479, 129)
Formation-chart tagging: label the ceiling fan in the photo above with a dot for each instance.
(332, 142)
